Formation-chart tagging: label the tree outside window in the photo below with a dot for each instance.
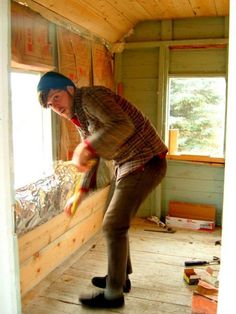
(197, 115)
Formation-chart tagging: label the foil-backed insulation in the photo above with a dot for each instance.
(40, 201)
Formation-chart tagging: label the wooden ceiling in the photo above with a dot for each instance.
(112, 20)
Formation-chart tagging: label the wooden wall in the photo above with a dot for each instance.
(155, 50)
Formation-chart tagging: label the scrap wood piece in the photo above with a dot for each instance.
(191, 277)
(205, 298)
(209, 276)
(207, 290)
(167, 230)
(205, 278)
(200, 305)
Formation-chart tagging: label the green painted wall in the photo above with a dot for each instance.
(140, 79)
(153, 52)
(193, 182)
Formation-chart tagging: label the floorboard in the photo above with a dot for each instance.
(157, 281)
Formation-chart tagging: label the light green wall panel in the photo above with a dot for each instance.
(140, 56)
(139, 71)
(145, 84)
(144, 72)
(198, 61)
(146, 31)
(192, 28)
(139, 63)
(140, 79)
(139, 75)
(141, 92)
(204, 27)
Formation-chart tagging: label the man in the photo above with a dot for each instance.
(112, 128)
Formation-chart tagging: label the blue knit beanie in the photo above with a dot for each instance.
(52, 80)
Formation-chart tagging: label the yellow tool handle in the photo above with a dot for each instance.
(77, 195)
(75, 203)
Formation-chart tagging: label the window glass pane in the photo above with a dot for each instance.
(32, 151)
(197, 115)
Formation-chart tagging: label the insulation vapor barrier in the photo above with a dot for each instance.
(40, 201)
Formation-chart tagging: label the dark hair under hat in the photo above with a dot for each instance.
(52, 80)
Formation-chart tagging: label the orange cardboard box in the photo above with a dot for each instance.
(191, 216)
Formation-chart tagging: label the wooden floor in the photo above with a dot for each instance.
(157, 280)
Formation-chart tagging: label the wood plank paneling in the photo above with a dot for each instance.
(133, 10)
(139, 75)
(222, 7)
(140, 79)
(147, 84)
(209, 61)
(195, 171)
(140, 70)
(168, 8)
(138, 57)
(88, 18)
(193, 183)
(112, 20)
(32, 242)
(112, 14)
(45, 247)
(199, 28)
(38, 266)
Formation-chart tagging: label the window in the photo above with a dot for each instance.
(32, 138)
(197, 116)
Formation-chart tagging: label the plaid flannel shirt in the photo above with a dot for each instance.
(115, 129)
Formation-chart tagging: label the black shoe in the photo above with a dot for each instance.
(100, 282)
(99, 301)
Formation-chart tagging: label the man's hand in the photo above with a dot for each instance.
(73, 203)
(82, 158)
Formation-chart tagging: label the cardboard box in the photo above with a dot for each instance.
(187, 223)
(191, 216)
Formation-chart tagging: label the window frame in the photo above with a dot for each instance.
(216, 161)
